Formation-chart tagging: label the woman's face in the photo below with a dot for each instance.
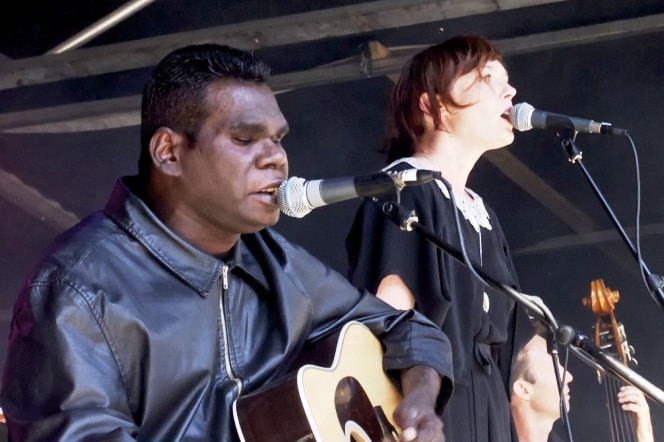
(484, 123)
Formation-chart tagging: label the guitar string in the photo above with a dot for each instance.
(627, 424)
(622, 427)
(616, 409)
(614, 416)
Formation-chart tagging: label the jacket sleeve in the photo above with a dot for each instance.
(62, 379)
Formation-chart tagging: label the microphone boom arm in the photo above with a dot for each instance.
(566, 335)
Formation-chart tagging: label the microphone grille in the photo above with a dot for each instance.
(520, 116)
(291, 197)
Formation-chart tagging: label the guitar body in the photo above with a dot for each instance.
(351, 400)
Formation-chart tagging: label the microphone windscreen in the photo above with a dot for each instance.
(521, 116)
(291, 198)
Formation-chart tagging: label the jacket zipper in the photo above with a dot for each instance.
(227, 359)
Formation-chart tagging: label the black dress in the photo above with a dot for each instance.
(483, 334)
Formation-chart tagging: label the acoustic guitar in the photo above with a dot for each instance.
(610, 336)
(352, 399)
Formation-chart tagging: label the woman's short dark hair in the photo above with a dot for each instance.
(431, 72)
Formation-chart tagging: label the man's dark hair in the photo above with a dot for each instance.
(175, 95)
(522, 368)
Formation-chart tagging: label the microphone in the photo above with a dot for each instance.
(297, 197)
(524, 117)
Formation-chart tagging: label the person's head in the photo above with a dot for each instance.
(459, 86)
(211, 130)
(175, 94)
(534, 382)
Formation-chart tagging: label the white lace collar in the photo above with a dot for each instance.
(473, 210)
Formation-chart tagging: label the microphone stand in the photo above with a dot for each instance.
(567, 133)
(565, 335)
(552, 348)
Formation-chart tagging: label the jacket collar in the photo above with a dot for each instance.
(243, 255)
(197, 269)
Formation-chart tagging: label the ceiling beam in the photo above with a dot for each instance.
(278, 31)
(586, 34)
(77, 117)
(576, 240)
(31, 201)
(118, 112)
(540, 190)
(558, 205)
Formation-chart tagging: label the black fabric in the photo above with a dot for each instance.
(445, 291)
(555, 437)
(127, 332)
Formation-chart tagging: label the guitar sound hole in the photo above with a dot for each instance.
(357, 415)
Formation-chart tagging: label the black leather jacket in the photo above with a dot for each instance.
(125, 331)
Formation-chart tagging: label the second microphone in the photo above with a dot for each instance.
(297, 197)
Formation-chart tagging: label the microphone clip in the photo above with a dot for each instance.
(398, 214)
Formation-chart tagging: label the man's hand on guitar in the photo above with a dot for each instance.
(416, 414)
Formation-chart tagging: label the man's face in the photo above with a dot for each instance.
(230, 176)
(544, 391)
